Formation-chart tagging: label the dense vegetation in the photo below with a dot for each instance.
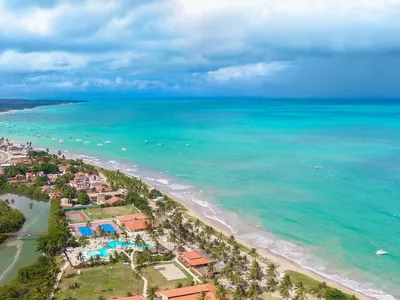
(11, 219)
(30, 191)
(9, 104)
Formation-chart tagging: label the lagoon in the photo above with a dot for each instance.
(16, 253)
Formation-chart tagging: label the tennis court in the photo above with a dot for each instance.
(76, 216)
(108, 228)
(85, 231)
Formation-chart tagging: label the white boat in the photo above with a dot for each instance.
(160, 144)
(99, 144)
(123, 149)
(107, 142)
(381, 252)
(87, 143)
(78, 140)
(187, 145)
(61, 141)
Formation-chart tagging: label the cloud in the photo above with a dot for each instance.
(247, 71)
(154, 45)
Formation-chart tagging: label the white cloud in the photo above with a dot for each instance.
(11, 61)
(247, 71)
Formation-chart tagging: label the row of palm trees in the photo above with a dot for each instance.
(242, 273)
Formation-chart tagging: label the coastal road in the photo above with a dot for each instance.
(4, 156)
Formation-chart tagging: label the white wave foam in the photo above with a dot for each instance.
(178, 187)
(162, 181)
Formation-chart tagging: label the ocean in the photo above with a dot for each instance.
(317, 181)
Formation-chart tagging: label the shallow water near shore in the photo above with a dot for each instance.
(16, 253)
(317, 183)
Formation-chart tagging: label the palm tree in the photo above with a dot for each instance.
(79, 256)
(319, 290)
(285, 286)
(253, 253)
(254, 291)
(137, 276)
(300, 292)
(151, 293)
(210, 270)
(239, 293)
(97, 259)
(101, 298)
(220, 292)
(202, 296)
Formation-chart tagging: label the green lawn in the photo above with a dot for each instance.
(155, 278)
(98, 213)
(112, 280)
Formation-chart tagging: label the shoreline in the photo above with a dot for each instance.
(284, 262)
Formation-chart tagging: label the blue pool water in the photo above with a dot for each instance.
(85, 231)
(103, 252)
(108, 228)
(114, 244)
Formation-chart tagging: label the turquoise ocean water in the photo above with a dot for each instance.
(317, 182)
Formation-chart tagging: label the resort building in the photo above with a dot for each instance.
(198, 262)
(98, 197)
(133, 223)
(188, 293)
(111, 201)
(194, 259)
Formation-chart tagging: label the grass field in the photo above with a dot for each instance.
(109, 281)
(155, 278)
(97, 213)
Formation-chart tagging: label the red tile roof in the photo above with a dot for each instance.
(136, 225)
(194, 258)
(131, 217)
(190, 292)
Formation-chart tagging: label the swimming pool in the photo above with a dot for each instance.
(85, 231)
(108, 228)
(114, 244)
(103, 252)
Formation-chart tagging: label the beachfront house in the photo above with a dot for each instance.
(189, 293)
(197, 261)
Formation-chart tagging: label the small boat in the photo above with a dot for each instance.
(107, 142)
(381, 252)
(123, 149)
(99, 144)
(160, 144)
(61, 141)
(87, 143)
(78, 140)
(187, 145)
(146, 141)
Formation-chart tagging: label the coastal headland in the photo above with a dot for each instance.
(20, 104)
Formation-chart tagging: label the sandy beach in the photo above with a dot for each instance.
(284, 264)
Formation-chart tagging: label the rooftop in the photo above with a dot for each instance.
(189, 293)
(195, 258)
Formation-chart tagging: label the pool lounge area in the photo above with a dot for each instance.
(104, 252)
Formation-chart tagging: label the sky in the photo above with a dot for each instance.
(264, 48)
